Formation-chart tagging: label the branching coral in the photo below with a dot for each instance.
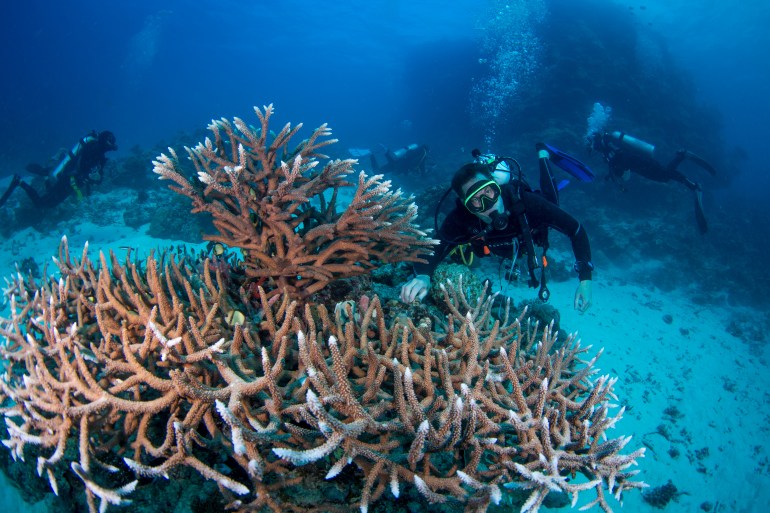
(282, 213)
(145, 369)
(94, 356)
(141, 369)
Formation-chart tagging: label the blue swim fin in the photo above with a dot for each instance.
(358, 152)
(570, 164)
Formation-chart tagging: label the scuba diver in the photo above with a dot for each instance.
(625, 155)
(499, 215)
(80, 168)
(409, 160)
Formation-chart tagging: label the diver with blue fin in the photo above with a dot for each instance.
(497, 213)
(570, 164)
(79, 169)
(626, 154)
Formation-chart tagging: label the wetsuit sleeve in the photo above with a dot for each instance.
(439, 253)
(451, 234)
(620, 161)
(541, 212)
(615, 163)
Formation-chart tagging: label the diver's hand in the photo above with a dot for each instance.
(583, 296)
(541, 147)
(416, 288)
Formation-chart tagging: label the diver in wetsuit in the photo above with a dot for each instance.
(505, 219)
(411, 160)
(625, 155)
(80, 168)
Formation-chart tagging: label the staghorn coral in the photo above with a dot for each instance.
(138, 366)
(145, 369)
(270, 202)
(91, 357)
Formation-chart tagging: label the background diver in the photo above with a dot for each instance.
(499, 215)
(79, 169)
(409, 160)
(625, 155)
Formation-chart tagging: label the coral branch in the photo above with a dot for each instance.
(272, 204)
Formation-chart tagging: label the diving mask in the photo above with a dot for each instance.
(481, 196)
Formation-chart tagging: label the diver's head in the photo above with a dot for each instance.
(596, 142)
(480, 194)
(107, 141)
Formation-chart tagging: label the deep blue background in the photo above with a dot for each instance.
(147, 70)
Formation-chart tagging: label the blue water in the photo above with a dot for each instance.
(149, 69)
(455, 75)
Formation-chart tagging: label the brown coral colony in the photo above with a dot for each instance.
(144, 367)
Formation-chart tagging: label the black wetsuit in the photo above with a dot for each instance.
(75, 176)
(410, 160)
(620, 160)
(462, 227)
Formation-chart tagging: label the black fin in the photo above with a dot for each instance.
(37, 169)
(702, 163)
(11, 187)
(700, 217)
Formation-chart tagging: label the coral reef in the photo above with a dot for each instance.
(116, 374)
(458, 274)
(140, 367)
(660, 496)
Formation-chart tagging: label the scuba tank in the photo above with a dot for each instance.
(72, 154)
(502, 169)
(502, 173)
(632, 144)
(403, 151)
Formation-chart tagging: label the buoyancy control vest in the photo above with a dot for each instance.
(548, 189)
(69, 162)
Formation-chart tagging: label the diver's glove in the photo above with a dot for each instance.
(541, 147)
